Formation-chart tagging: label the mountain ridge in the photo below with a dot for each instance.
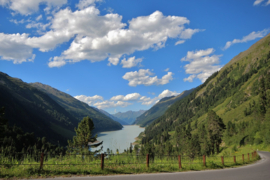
(159, 108)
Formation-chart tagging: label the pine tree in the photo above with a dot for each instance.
(216, 128)
(83, 136)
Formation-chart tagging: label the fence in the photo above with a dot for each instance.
(110, 161)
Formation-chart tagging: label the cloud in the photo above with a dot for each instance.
(201, 64)
(253, 35)
(167, 69)
(145, 77)
(123, 100)
(86, 3)
(39, 18)
(188, 33)
(105, 37)
(90, 100)
(110, 104)
(180, 42)
(13, 48)
(131, 62)
(167, 93)
(257, 2)
(128, 97)
(27, 7)
(98, 37)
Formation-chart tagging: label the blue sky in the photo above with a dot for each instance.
(121, 55)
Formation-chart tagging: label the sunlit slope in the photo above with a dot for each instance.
(79, 109)
(159, 109)
(233, 93)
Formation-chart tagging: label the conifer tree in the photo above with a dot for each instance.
(216, 128)
(83, 136)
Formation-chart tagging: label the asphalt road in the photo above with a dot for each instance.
(258, 171)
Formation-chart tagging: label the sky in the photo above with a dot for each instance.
(120, 55)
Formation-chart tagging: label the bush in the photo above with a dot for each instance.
(258, 141)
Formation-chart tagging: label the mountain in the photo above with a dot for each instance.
(239, 94)
(34, 111)
(159, 109)
(79, 109)
(113, 117)
(129, 117)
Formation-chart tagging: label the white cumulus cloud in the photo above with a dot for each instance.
(201, 64)
(145, 77)
(253, 35)
(90, 100)
(13, 48)
(26, 7)
(86, 3)
(97, 37)
(130, 62)
(128, 97)
(100, 37)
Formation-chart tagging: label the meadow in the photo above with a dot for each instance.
(28, 166)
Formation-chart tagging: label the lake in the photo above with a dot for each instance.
(120, 139)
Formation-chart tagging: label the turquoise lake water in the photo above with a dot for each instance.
(120, 139)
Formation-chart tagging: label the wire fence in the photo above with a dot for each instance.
(42, 160)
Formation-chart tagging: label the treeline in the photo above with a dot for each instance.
(14, 140)
(205, 141)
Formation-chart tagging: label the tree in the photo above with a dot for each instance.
(83, 136)
(3, 122)
(216, 128)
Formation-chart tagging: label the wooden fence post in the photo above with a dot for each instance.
(102, 161)
(41, 160)
(147, 160)
(248, 157)
(234, 159)
(252, 155)
(179, 161)
(204, 163)
(243, 158)
(222, 160)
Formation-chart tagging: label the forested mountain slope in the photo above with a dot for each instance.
(159, 109)
(79, 109)
(34, 111)
(239, 95)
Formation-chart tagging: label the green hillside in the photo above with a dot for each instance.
(34, 111)
(159, 109)
(239, 95)
(79, 109)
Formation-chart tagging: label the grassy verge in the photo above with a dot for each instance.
(77, 165)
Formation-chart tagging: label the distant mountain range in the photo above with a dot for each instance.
(113, 117)
(47, 111)
(129, 117)
(159, 109)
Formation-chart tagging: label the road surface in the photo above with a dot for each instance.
(257, 171)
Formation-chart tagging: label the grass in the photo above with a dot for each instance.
(78, 165)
